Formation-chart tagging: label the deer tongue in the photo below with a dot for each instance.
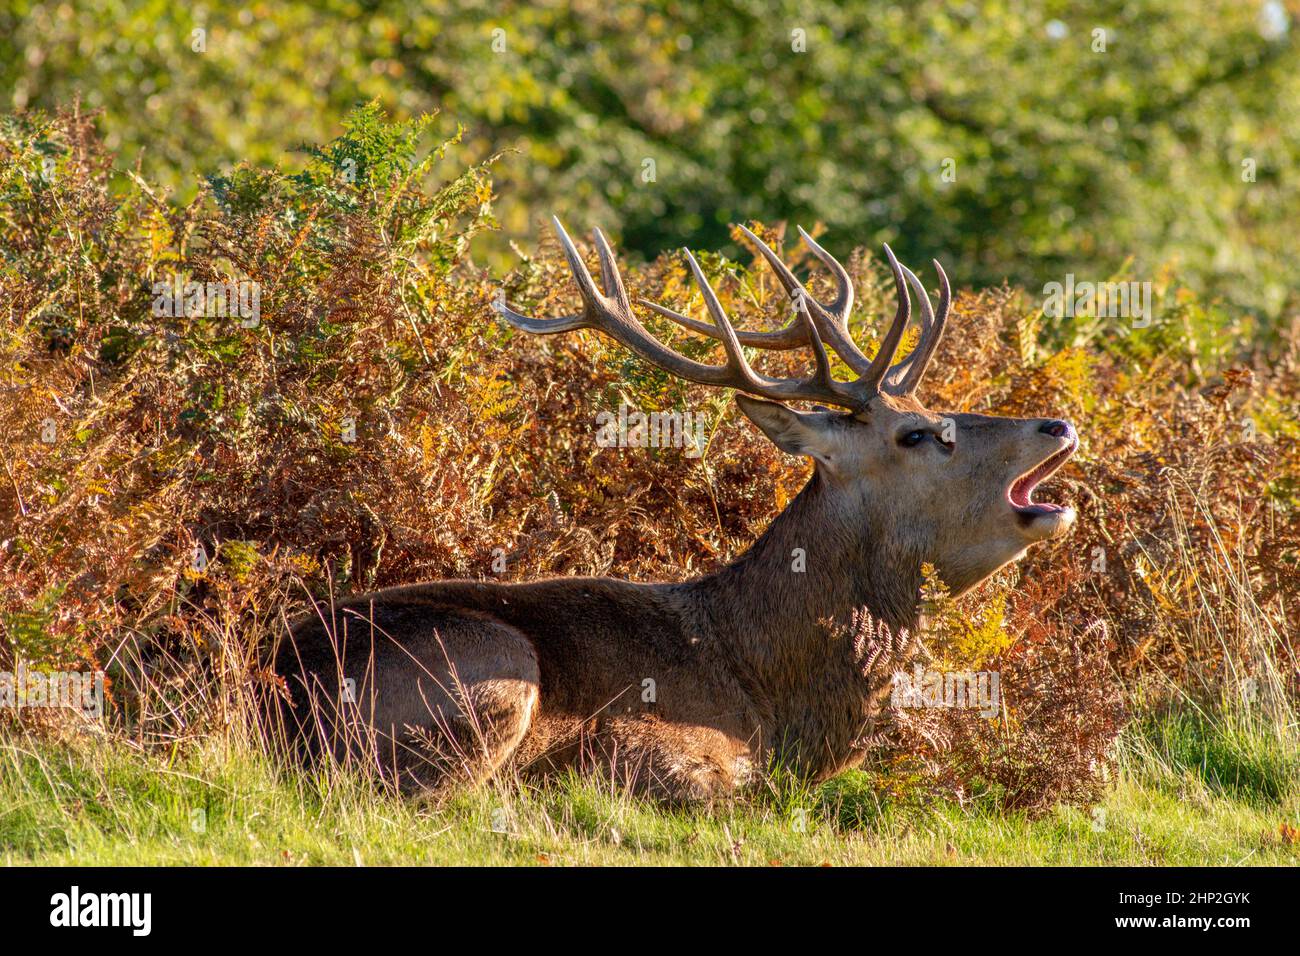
(1022, 489)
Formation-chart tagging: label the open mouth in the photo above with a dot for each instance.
(1021, 492)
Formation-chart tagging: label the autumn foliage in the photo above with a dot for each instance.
(176, 488)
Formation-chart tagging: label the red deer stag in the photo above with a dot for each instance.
(754, 663)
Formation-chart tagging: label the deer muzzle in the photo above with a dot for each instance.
(1040, 520)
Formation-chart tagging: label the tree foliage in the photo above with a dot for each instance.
(1013, 140)
(176, 487)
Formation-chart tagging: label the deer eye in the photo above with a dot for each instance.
(911, 439)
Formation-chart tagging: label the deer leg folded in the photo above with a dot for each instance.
(672, 762)
(428, 701)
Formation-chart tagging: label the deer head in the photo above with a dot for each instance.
(951, 489)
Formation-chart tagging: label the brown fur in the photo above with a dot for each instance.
(755, 663)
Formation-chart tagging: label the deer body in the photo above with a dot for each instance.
(683, 690)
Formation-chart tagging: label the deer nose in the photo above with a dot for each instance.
(1057, 428)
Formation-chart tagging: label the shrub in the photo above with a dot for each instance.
(183, 484)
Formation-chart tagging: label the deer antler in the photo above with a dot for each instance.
(904, 377)
(611, 313)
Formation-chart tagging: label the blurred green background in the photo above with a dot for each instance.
(1012, 140)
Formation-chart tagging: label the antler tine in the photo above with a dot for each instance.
(736, 360)
(940, 322)
(609, 273)
(586, 288)
(832, 327)
(821, 386)
(906, 375)
(564, 323)
(893, 383)
(843, 304)
(872, 378)
(793, 336)
(783, 273)
(586, 285)
(612, 314)
(821, 360)
(900, 379)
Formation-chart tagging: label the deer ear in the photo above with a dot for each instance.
(796, 433)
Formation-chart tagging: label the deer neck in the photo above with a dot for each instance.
(819, 569)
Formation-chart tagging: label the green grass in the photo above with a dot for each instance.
(1189, 790)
